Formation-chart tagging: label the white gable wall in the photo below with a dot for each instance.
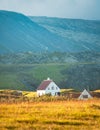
(52, 88)
(85, 95)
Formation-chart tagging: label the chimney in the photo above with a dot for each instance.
(48, 78)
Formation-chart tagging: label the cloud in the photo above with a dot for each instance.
(86, 9)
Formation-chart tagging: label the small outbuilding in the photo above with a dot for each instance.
(85, 95)
(48, 87)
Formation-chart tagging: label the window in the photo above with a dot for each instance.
(85, 96)
(56, 87)
(52, 88)
(48, 88)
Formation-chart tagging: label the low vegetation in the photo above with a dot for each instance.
(66, 75)
(53, 115)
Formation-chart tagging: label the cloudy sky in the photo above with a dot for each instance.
(82, 9)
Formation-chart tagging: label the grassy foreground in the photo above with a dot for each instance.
(55, 115)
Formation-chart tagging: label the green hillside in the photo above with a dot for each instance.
(66, 75)
(28, 77)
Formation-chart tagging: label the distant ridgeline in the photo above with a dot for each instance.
(19, 33)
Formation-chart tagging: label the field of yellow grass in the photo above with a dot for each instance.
(52, 115)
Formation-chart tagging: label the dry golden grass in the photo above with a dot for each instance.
(55, 115)
(29, 94)
(97, 90)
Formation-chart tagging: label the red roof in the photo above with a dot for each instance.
(44, 84)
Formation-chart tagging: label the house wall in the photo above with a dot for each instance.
(40, 92)
(53, 89)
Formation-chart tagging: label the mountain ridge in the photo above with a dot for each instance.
(19, 33)
(19, 30)
(84, 32)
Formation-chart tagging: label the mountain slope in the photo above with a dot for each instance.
(18, 33)
(81, 34)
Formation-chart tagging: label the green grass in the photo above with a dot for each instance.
(12, 76)
(29, 76)
(49, 70)
(10, 81)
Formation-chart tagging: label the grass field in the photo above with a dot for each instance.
(24, 77)
(55, 115)
(66, 75)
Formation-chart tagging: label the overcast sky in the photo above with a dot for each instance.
(82, 9)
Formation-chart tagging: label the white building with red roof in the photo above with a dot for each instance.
(48, 87)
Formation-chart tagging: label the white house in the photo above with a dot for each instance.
(85, 95)
(48, 87)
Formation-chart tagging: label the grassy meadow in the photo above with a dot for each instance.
(51, 115)
(28, 77)
(66, 75)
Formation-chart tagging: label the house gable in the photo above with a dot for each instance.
(85, 95)
(48, 86)
(52, 86)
